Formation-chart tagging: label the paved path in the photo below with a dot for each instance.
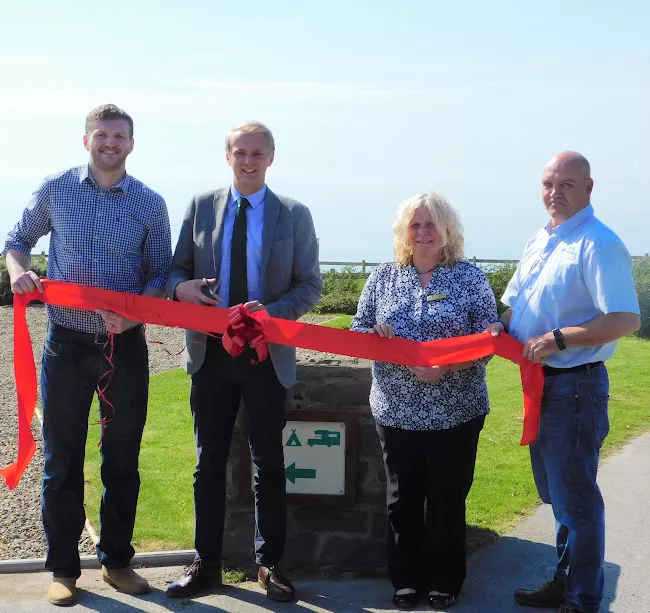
(524, 558)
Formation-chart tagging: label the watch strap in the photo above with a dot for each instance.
(559, 339)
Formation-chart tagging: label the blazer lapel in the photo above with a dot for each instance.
(220, 203)
(271, 212)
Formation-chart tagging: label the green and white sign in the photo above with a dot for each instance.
(314, 457)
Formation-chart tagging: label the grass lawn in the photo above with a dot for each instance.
(340, 321)
(165, 517)
(503, 490)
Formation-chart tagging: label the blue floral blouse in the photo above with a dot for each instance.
(457, 301)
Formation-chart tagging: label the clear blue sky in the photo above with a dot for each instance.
(370, 102)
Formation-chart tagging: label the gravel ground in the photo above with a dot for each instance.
(21, 531)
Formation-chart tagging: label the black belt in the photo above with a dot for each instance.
(89, 337)
(550, 370)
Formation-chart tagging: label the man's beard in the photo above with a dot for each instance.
(107, 164)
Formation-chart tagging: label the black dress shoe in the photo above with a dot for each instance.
(405, 601)
(278, 587)
(197, 577)
(440, 602)
(551, 595)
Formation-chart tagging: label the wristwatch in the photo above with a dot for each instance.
(559, 339)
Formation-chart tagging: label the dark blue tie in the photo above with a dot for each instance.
(238, 291)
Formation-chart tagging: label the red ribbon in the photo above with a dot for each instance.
(240, 328)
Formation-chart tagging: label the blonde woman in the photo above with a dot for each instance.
(428, 418)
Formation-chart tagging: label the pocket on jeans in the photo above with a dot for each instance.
(560, 387)
(54, 349)
(600, 418)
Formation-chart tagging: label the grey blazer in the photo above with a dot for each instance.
(291, 282)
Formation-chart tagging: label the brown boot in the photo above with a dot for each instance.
(551, 595)
(62, 591)
(125, 580)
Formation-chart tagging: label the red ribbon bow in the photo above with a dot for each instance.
(244, 329)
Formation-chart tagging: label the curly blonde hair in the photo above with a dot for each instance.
(444, 217)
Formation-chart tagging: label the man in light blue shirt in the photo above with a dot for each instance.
(570, 300)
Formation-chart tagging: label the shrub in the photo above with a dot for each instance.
(39, 266)
(499, 277)
(338, 302)
(641, 271)
(341, 291)
(345, 281)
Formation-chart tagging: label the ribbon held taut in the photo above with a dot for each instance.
(240, 329)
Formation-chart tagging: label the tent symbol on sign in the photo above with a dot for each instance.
(293, 441)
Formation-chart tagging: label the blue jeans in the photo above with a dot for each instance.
(72, 368)
(573, 426)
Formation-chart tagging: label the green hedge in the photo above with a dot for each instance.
(499, 277)
(641, 271)
(39, 266)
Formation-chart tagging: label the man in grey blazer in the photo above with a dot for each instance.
(242, 244)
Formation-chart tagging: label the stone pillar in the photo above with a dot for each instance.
(348, 538)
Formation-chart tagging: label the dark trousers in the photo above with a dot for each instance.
(216, 391)
(72, 368)
(428, 476)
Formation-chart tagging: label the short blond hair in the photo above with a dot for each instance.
(250, 127)
(444, 217)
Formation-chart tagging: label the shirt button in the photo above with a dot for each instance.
(96, 237)
(94, 260)
(99, 213)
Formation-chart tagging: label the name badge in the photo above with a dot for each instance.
(433, 297)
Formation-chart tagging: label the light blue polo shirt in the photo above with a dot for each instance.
(567, 276)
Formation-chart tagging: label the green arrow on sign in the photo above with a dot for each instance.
(294, 473)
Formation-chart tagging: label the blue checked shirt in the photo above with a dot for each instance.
(117, 239)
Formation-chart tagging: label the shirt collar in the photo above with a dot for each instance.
(570, 224)
(255, 199)
(85, 177)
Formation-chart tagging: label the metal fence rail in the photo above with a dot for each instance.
(364, 265)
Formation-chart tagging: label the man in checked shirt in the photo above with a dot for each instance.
(108, 230)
